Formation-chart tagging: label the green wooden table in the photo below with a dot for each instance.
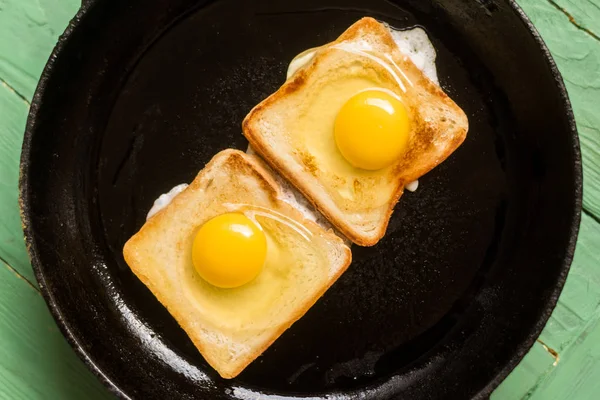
(37, 363)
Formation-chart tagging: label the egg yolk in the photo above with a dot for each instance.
(229, 250)
(371, 129)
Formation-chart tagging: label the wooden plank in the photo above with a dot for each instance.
(580, 369)
(13, 114)
(28, 32)
(35, 360)
(584, 13)
(577, 55)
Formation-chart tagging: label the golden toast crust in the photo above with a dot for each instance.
(137, 248)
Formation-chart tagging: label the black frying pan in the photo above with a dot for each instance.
(138, 95)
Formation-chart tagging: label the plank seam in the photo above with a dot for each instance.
(573, 21)
(14, 91)
(18, 274)
(550, 351)
(579, 336)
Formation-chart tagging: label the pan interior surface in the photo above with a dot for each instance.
(143, 95)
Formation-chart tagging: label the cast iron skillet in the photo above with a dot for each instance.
(138, 95)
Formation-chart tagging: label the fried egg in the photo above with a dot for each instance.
(415, 44)
(165, 199)
(244, 259)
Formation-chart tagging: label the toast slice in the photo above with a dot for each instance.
(231, 327)
(293, 129)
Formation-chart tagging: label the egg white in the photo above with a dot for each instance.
(165, 199)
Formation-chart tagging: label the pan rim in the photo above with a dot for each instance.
(74, 341)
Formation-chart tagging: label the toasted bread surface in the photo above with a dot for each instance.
(293, 129)
(231, 327)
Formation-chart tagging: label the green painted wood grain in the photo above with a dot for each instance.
(28, 32)
(35, 361)
(584, 13)
(580, 370)
(13, 114)
(577, 54)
